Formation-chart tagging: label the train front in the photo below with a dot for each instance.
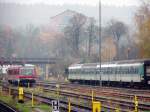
(21, 75)
(27, 75)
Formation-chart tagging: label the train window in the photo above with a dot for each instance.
(84, 72)
(91, 72)
(128, 71)
(148, 69)
(109, 72)
(119, 70)
(16, 72)
(27, 71)
(105, 69)
(136, 70)
(113, 70)
(131, 70)
(77, 72)
(9, 72)
(122, 70)
(97, 71)
(116, 70)
(72, 72)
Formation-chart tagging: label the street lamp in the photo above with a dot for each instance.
(100, 34)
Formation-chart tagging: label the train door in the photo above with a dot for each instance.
(147, 73)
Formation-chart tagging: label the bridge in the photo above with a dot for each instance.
(7, 61)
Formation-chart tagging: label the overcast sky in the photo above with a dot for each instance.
(81, 2)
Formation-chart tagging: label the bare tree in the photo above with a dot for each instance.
(117, 29)
(6, 41)
(91, 34)
(73, 31)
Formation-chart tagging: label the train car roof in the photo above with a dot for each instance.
(76, 66)
(111, 64)
(20, 66)
(97, 65)
(15, 67)
(29, 65)
(145, 61)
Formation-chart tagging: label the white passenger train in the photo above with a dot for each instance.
(133, 72)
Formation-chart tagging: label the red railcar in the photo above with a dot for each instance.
(21, 74)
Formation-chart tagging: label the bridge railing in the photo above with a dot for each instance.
(28, 60)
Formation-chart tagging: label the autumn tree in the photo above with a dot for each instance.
(142, 19)
(108, 49)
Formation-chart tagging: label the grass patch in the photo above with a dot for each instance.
(45, 107)
(26, 106)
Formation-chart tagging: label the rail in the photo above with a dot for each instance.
(6, 108)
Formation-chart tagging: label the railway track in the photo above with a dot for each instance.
(106, 95)
(134, 90)
(123, 100)
(97, 88)
(63, 104)
(48, 100)
(143, 95)
(123, 104)
(6, 108)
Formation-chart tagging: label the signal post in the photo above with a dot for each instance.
(21, 95)
(96, 105)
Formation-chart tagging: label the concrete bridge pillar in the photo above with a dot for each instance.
(47, 71)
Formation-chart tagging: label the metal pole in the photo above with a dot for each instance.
(32, 100)
(69, 105)
(100, 41)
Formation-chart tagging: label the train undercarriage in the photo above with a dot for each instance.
(138, 85)
(23, 82)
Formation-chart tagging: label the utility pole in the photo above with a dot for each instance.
(100, 30)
